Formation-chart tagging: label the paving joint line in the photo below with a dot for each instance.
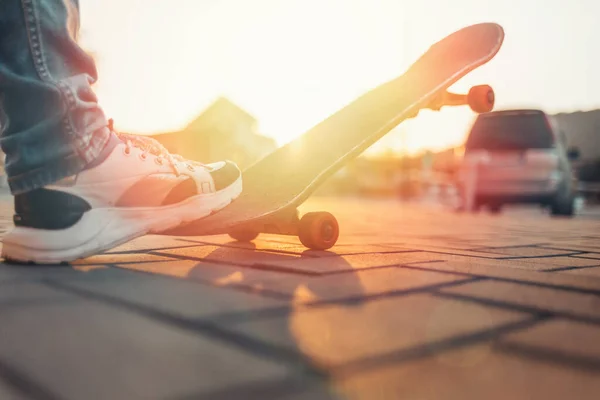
(566, 288)
(518, 307)
(560, 269)
(430, 349)
(276, 312)
(539, 353)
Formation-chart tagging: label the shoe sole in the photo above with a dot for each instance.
(102, 229)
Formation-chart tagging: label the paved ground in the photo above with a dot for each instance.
(414, 303)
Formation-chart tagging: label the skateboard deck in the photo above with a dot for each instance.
(276, 185)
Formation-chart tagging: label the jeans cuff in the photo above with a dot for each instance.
(66, 167)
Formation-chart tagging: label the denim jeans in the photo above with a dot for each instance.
(51, 123)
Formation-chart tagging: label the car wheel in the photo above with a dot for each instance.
(563, 207)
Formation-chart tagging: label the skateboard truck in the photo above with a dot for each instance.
(316, 230)
(480, 99)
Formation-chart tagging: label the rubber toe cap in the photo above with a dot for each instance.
(224, 174)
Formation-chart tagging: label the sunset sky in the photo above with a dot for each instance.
(293, 62)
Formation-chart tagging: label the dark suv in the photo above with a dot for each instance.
(521, 158)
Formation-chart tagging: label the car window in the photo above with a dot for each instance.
(517, 131)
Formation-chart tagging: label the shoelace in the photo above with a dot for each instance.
(153, 146)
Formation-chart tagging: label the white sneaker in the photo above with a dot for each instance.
(134, 188)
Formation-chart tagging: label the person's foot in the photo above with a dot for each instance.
(134, 188)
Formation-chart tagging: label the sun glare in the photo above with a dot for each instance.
(292, 63)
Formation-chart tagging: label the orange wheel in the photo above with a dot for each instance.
(318, 230)
(481, 98)
(243, 235)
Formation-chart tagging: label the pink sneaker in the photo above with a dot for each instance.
(134, 188)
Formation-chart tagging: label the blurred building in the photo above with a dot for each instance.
(381, 176)
(582, 130)
(222, 131)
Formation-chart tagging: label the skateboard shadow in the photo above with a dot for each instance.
(303, 300)
(281, 275)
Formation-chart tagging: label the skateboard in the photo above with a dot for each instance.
(277, 184)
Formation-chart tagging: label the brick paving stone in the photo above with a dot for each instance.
(499, 242)
(268, 242)
(85, 350)
(9, 393)
(352, 262)
(175, 268)
(338, 334)
(497, 271)
(292, 388)
(562, 261)
(521, 264)
(528, 251)
(174, 296)
(231, 255)
(151, 242)
(450, 251)
(27, 295)
(587, 272)
(226, 239)
(473, 373)
(315, 393)
(120, 258)
(10, 273)
(361, 284)
(292, 245)
(300, 288)
(298, 263)
(446, 243)
(580, 241)
(559, 337)
(577, 305)
(351, 238)
(527, 264)
(592, 256)
(574, 247)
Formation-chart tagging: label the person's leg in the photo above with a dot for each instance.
(80, 188)
(52, 124)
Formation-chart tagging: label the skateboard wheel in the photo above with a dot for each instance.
(481, 98)
(243, 235)
(318, 230)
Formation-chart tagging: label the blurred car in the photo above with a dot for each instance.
(520, 157)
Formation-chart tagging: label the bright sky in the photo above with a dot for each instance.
(291, 63)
